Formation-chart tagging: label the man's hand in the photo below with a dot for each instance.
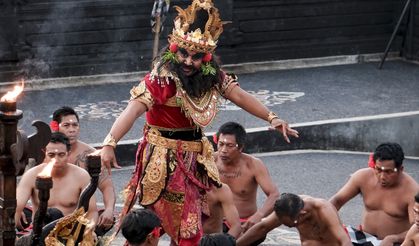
(106, 219)
(255, 218)
(18, 221)
(283, 127)
(107, 156)
(389, 240)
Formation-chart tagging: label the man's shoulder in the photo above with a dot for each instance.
(251, 160)
(84, 147)
(363, 172)
(78, 170)
(410, 186)
(34, 171)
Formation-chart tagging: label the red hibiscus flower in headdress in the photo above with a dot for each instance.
(54, 126)
(371, 162)
(214, 138)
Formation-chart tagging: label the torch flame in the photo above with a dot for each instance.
(11, 96)
(46, 172)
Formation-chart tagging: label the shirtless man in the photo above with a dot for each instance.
(243, 173)
(412, 237)
(66, 120)
(65, 192)
(316, 220)
(221, 205)
(387, 193)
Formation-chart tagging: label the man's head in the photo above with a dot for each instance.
(141, 227)
(190, 52)
(416, 210)
(288, 208)
(58, 148)
(217, 239)
(68, 122)
(388, 158)
(231, 138)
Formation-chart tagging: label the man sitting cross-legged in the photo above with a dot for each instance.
(316, 220)
(65, 192)
(243, 173)
(66, 120)
(387, 192)
(221, 205)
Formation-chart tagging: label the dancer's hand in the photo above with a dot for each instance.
(107, 156)
(283, 127)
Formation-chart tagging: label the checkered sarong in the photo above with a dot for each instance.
(361, 238)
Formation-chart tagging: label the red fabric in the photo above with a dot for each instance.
(160, 114)
(371, 162)
(191, 241)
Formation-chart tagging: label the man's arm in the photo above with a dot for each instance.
(348, 191)
(106, 219)
(92, 213)
(329, 214)
(264, 180)
(231, 214)
(259, 230)
(409, 239)
(119, 128)
(23, 192)
(252, 105)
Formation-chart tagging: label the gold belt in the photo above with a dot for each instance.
(154, 138)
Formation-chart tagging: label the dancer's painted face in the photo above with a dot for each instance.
(190, 61)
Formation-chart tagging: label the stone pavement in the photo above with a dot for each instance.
(299, 95)
(316, 173)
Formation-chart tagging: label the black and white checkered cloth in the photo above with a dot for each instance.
(361, 238)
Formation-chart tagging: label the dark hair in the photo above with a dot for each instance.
(217, 239)
(138, 224)
(417, 198)
(235, 129)
(58, 137)
(63, 111)
(288, 204)
(389, 151)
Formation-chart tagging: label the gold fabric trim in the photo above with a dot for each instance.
(153, 137)
(174, 197)
(155, 173)
(206, 158)
(172, 102)
(63, 230)
(201, 110)
(142, 94)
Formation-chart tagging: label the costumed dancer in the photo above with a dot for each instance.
(174, 162)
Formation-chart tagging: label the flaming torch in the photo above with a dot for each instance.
(9, 117)
(43, 183)
(8, 101)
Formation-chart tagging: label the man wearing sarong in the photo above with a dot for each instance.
(387, 192)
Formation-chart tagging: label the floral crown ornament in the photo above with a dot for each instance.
(201, 41)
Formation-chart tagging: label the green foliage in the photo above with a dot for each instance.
(208, 69)
(170, 56)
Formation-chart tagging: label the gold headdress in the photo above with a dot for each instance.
(202, 41)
